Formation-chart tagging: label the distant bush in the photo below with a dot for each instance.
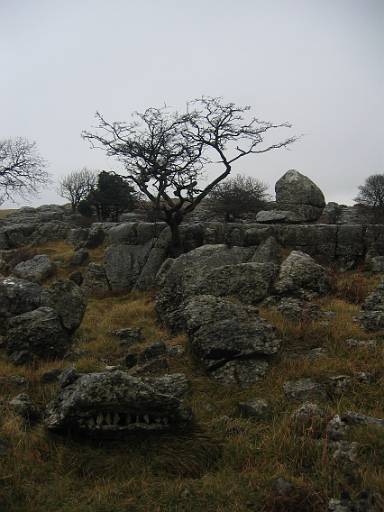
(237, 196)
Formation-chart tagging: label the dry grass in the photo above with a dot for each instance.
(226, 463)
(5, 213)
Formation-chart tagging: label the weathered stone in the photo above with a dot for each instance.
(309, 417)
(18, 296)
(304, 389)
(51, 375)
(297, 193)
(249, 282)
(77, 278)
(300, 273)
(221, 331)
(38, 333)
(267, 252)
(336, 429)
(36, 269)
(187, 273)
(68, 300)
(95, 280)
(366, 501)
(255, 409)
(23, 406)
(354, 418)
(277, 216)
(240, 372)
(129, 335)
(111, 403)
(79, 257)
(372, 314)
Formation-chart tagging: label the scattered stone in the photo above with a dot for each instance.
(267, 252)
(228, 337)
(354, 418)
(240, 372)
(277, 217)
(366, 501)
(37, 269)
(68, 300)
(18, 296)
(95, 280)
(336, 429)
(68, 377)
(298, 310)
(77, 278)
(304, 389)
(338, 385)
(299, 273)
(79, 257)
(112, 403)
(51, 375)
(316, 353)
(155, 350)
(23, 406)
(365, 344)
(376, 264)
(150, 367)
(309, 417)
(282, 487)
(372, 314)
(38, 333)
(129, 335)
(256, 409)
(175, 350)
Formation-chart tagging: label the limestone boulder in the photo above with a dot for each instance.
(300, 195)
(36, 269)
(222, 332)
(69, 302)
(18, 296)
(115, 403)
(186, 276)
(36, 334)
(300, 274)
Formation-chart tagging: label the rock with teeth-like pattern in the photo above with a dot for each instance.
(116, 402)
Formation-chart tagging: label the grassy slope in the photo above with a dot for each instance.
(226, 463)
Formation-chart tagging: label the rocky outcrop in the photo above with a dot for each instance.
(187, 276)
(298, 194)
(116, 403)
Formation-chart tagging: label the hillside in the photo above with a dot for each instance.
(224, 461)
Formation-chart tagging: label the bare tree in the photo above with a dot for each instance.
(76, 186)
(22, 169)
(236, 196)
(164, 152)
(371, 196)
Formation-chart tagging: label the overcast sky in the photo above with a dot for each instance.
(316, 63)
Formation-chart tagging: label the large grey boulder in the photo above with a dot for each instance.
(36, 269)
(68, 300)
(186, 276)
(372, 315)
(297, 193)
(115, 403)
(18, 296)
(221, 331)
(38, 333)
(299, 273)
(267, 252)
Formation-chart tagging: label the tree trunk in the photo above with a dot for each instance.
(174, 219)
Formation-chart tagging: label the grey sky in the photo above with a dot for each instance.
(316, 63)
